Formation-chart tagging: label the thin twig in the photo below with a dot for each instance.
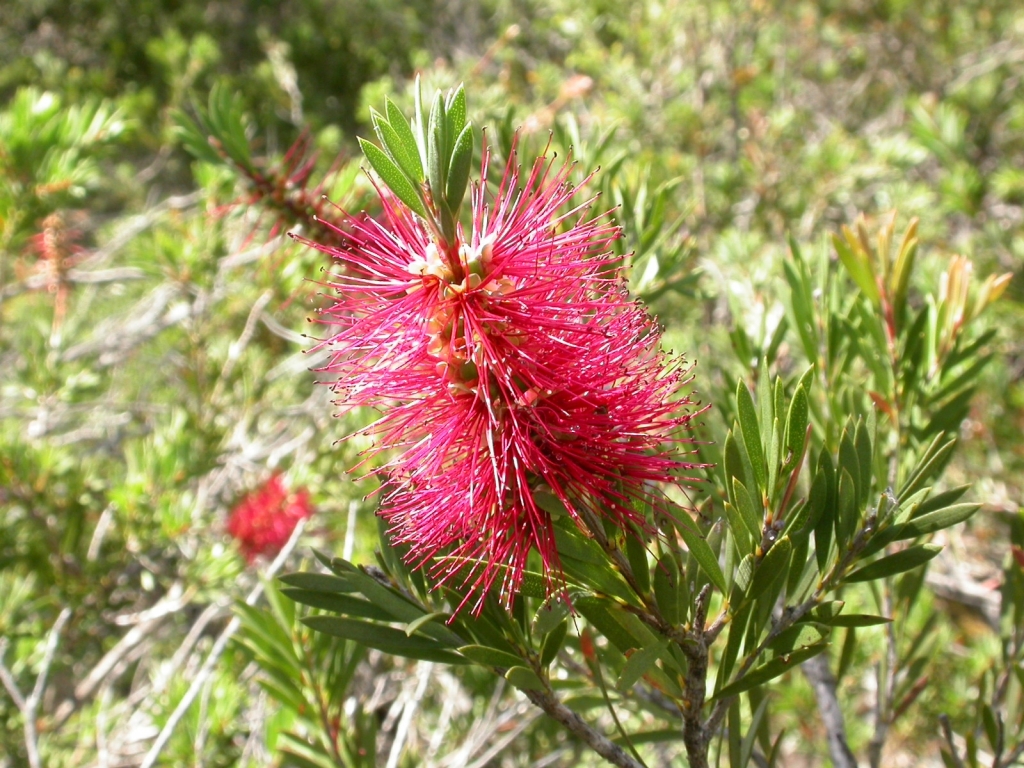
(495, 749)
(147, 622)
(818, 674)
(218, 648)
(29, 706)
(697, 733)
(886, 690)
(408, 711)
(947, 734)
(576, 725)
(8, 679)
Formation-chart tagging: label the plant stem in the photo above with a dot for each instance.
(696, 734)
(575, 724)
(818, 674)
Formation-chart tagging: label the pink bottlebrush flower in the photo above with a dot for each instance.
(263, 521)
(506, 365)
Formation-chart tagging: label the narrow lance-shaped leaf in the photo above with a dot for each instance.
(553, 644)
(773, 566)
(770, 670)
(666, 589)
(490, 657)
(525, 679)
(393, 177)
(386, 639)
(857, 264)
(938, 520)
(402, 129)
(459, 168)
(636, 554)
(900, 562)
(702, 553)
(751, 513)
(437, 155)
(796, 423)
(747, 415)
(407, 158)
(639, 663)
(455, 111)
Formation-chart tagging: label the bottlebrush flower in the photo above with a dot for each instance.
(264, 520)
(507, 364)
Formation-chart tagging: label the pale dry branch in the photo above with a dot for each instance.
(206, 671)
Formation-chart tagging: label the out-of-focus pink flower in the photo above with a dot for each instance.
(507, 365)
(263, 521)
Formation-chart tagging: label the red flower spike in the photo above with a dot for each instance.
(506, 364)
(264, 520)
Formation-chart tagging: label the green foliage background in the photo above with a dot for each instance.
(157, 370)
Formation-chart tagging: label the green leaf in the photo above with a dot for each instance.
(407, 157)
(666, 590)
(846, 521)
(741, 535)
(802, 571)
(532, 585)
(850, 461)
(421, 623)
(817, 499)
(824, 612)
(931, 463)
(552, 612)
(593, 569)
(937, 520)
(733, 461)
(801, 301)
(800, 635)
(906, 560)
(458, 170)
(796, 423)
(773, 566)
(701, 552)
(571, 543)
(455, 110)
(643, 635)
(639, 663)
(858, 620)
(769, 671)
(393, 177)
(862, 441)
(401, 127)
(742, 577)
(858, 266)
(774, 449)
(524, 679)
(386, 639)
(386, 598)
(553, 644)
(636, 554)
(343, 604)
(993, 730)
(318, 582)
(598, 613)
(763, 399)
(490, 657)
(940, 500)
(796, 522)
(740, 621)
(658, 736)
(756, 721)
(751, 515)
(747, 416)
(437, 145)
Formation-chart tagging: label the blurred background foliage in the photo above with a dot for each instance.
(154, 368)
